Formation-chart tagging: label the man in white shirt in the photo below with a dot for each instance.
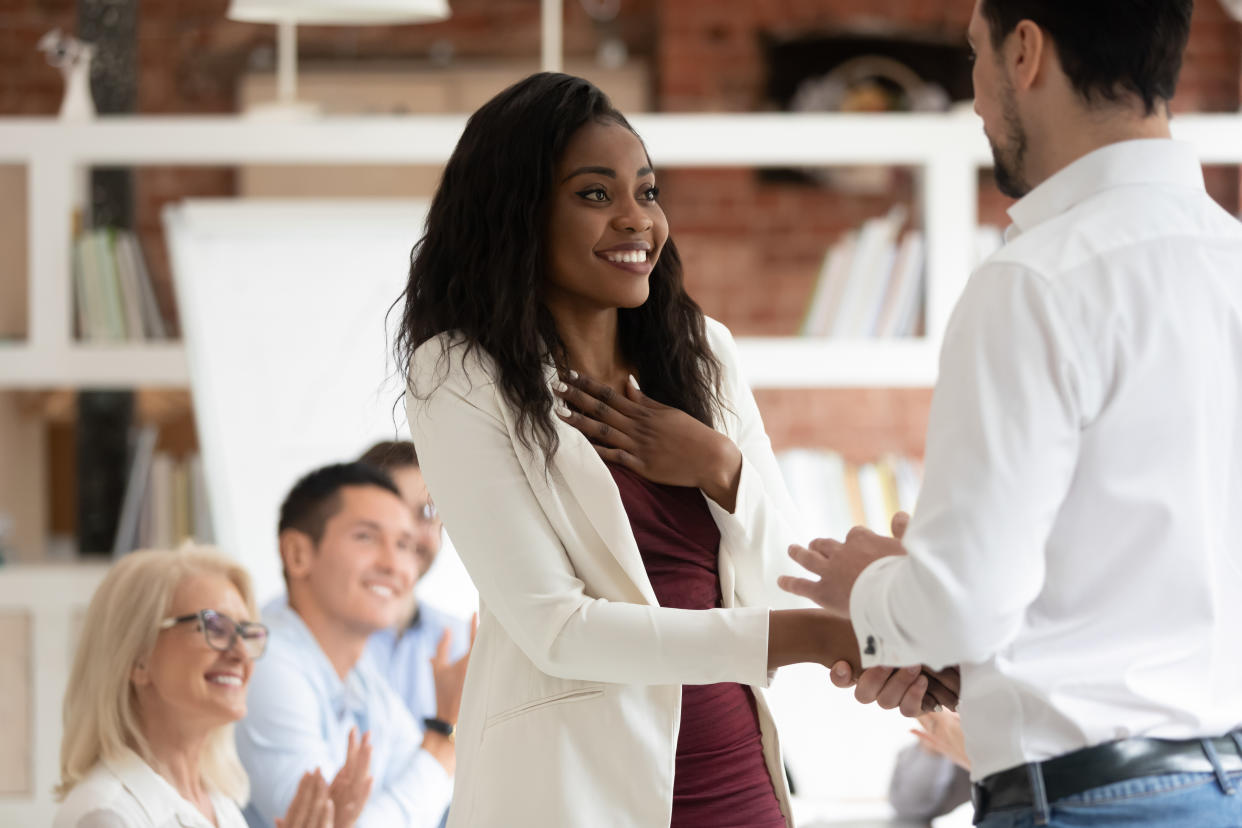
(347, 542)
(1077, 546)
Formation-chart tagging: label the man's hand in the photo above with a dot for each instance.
(351, 787)
(838, 566)
(914, 690)
(450, 676)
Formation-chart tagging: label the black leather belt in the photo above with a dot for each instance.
(1099, 765)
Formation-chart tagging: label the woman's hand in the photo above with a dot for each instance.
(663, 444)
(352, 785)
(311, 806)
(942, 735)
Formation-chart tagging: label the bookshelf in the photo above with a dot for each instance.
(948, 150)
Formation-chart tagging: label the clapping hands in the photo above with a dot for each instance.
(317, 804)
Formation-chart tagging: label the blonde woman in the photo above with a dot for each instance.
(159, 677)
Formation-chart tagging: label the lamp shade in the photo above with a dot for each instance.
(338, 12)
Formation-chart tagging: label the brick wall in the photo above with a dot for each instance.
(752, 246)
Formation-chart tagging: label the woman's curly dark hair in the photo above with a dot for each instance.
(480, 267)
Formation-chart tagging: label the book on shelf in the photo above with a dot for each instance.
(866, 280)
(114, 296)
(872, 283)
(168, 503)
(136, 487)
(833, 495)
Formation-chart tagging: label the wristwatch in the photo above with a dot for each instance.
(442, 727)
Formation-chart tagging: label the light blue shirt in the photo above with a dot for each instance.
(299, 713)
(405, 660)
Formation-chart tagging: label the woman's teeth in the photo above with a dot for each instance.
(228, 681)
(382, 591)
(631, 256)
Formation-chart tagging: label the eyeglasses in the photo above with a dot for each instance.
(221, 632)
(427, 513)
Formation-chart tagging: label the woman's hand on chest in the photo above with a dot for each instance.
(663, 444)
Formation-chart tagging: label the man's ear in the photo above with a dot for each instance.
(1026, 50)
(296, 552)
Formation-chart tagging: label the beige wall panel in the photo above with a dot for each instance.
(16, 711)
(14, 265)
(23, 476)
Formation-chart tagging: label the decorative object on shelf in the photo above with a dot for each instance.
(73, 58)
(868, 83)
(1234, 7)
(612, 53)
(287, 14)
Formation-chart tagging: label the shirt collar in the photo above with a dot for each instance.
(352, 693)
(1144, 161)
(153, 793)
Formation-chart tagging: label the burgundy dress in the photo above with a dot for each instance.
(721, 779)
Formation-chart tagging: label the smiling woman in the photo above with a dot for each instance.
(160, 675)
(625, 543)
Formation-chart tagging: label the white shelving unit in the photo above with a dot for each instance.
(947, 149)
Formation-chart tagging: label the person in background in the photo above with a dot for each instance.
(932, 776)
(347, 543)
(158, 679)
(403, 653)
(1076, 541)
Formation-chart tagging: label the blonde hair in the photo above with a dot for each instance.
(121, 625)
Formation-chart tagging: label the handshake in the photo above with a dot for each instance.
(914, 689)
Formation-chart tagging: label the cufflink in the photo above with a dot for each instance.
(870, 650)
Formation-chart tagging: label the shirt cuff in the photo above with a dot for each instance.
(434, 780)
(878, 641)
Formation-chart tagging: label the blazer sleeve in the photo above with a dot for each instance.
(520, 566)
(764, 520)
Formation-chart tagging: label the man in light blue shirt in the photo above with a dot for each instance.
(347, 545)
(403, 653)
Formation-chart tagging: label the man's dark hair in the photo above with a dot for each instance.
(317, 497)
(1108, 48)
(390, 455)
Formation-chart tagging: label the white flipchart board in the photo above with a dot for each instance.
(283, 310)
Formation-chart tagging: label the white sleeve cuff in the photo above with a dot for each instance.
(878, 640)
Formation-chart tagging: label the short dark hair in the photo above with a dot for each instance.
(390, 455)
(315, 498)
(1108, 48)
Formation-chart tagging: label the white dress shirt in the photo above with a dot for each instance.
(125, 792)
(298, 716)
(1077, 545)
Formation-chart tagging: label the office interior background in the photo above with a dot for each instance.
(194, 277)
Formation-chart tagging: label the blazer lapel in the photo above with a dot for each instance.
(588, 481)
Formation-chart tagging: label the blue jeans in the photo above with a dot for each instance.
(1176, 800)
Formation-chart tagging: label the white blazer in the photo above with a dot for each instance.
(572, 702)
(126, 792)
